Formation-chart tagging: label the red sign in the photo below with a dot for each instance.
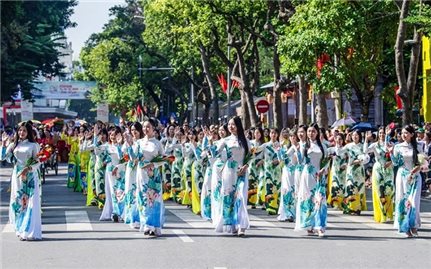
(262, 106)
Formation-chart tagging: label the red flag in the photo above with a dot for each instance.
(235, 84)
(139, 110)
(324, 58)
(222, 82)
(398, 98)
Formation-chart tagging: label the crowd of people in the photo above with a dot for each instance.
(220, 172)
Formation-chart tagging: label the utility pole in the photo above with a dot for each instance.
(153, 68)
(192, 97)
(228, 83)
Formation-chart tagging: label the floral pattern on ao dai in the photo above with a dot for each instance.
(407, 193)
(25, 203)
(131, 213)
(149, 187)
(230, 193)
(382, 183)
(311, 208)
(287, 191)
(355, 201)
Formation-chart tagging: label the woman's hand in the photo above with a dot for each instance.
(243, 170)
(356, 162)
(319, 174)
(149, 166)
(259, 163)
(88, 135)
(5, 139)
(114, 172)
(388, 164)
(129, 139)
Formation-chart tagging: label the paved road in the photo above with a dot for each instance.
(73, 237)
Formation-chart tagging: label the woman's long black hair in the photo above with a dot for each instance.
(30, 136)
(262, 139)
(240, 133)
(319, 143)
(414, 143)
(138, 127)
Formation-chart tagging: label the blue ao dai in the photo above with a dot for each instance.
(113, 151)
(407, 193)
(131, 213)
(287, 191)
(230, 193)
(149, 187)
(311, 208)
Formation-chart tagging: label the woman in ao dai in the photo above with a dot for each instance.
(337, 174)
(408, 183)
(131, 213)
(24, 206)
(219, 158)
(288, 156)
(256, 183)
(355, 201)
(382, 178)
(206, 186)
(188, 157)
(113, 150)
(230, 193)
(102, 158)
(149, 182)
(175, 148)
(311, 209)
(272, 172)
(302, 136)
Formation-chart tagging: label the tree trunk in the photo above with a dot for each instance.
(206, 66)
(321, 111)
(246, 88)
(406, 84)
(254, 119)
(412, 76)
(206, 115)
(277, 90)
(303, 96)
(245, 116)
(365, 111)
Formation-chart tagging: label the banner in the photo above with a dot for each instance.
(62, 89)
(103, 112)
(26, 110)
(426, 98)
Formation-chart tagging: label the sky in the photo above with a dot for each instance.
(91, 16)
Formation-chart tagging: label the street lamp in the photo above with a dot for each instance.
(191, 105)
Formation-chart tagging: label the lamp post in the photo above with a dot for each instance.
(192, 87)
(153, 68)
(228, 84)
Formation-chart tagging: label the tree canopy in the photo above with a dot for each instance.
(32, 32)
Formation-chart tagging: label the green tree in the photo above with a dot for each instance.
(32, 32)
(414, 19)
(113, 58)
(352, 35)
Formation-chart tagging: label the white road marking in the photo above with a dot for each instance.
(78, 221)
(220, 267)
(259, 222)
(187, 216)
(8, 228)
(182, 235)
